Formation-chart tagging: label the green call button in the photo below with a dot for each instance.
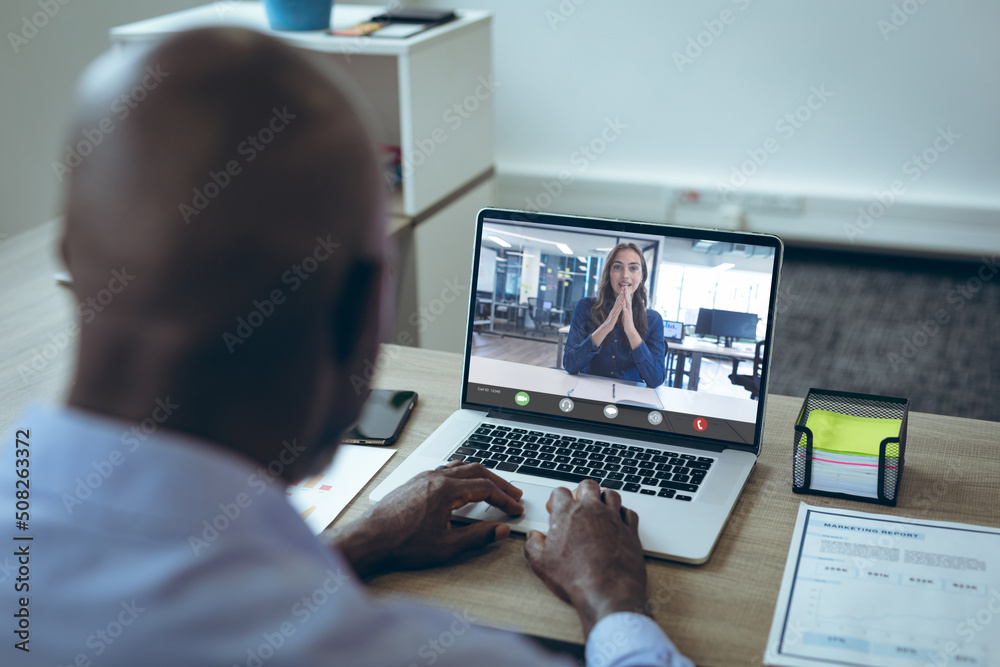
(521, 398)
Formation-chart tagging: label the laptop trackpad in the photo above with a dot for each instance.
(535, 516)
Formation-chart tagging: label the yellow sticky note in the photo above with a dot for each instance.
(847, 434)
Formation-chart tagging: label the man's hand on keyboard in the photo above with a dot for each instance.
(411, 527)
(591, 556)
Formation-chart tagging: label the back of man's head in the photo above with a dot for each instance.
(235, 194)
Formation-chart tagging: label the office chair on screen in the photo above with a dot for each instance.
(750, 382)
(535, 324)
(541, 317)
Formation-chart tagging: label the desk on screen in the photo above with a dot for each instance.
(483, 370)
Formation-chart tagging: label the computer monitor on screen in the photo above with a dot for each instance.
(730, 324)
(726, 324)
(704, 325)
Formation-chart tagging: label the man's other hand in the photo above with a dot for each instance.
(591, 556)
(411, 527)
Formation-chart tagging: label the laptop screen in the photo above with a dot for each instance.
(673, 330)
(621, 293)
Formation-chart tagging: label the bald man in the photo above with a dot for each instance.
(236, 220)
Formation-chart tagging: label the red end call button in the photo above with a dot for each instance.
(700, 424)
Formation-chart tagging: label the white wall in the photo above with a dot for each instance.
(564, 67)
(36, 86)
(559, 81)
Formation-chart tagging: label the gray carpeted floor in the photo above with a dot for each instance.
(922, 329)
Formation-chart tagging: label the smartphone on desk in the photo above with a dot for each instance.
(382, 418)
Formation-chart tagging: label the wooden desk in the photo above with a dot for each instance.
(718, 613)
(693, 348)
(696, 349)
(36, 318)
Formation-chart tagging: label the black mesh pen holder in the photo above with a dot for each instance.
(891, 449)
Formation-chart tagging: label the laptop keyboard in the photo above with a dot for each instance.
(629, 468)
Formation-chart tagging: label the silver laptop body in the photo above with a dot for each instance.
(680, 454)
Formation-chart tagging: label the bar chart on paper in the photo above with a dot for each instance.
(883, 591)
(321, 498)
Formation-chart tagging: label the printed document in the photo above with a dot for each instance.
(321, 498)
(873, 590)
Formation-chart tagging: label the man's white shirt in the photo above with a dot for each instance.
(149, 547)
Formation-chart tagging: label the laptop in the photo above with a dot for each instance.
(673, 331)
(679, 458)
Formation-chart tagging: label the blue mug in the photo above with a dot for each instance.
(298, 14)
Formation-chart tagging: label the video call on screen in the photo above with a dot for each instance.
(535, 289)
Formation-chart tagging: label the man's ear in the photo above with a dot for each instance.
(355, 312)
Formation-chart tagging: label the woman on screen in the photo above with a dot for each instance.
(614, 334)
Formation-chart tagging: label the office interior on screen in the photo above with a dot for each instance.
(712, 296)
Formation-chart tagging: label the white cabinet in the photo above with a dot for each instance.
(430, 94)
